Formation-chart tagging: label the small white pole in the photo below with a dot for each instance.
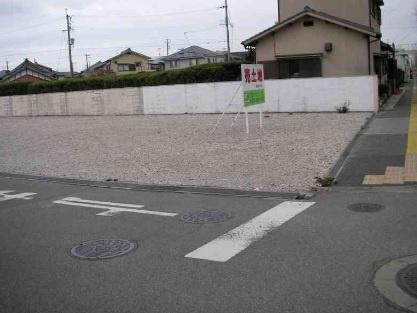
(261, 124)
(237, 115)
(247, 121)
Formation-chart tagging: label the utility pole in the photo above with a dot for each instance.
(86, 60)
(226, 9)
(7, 65)
(70, 41)
(168, 41)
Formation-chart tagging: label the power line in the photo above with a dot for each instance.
(28, 27)
(115, 47)
(149, 15)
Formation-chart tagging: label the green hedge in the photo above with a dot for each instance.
(218, 72)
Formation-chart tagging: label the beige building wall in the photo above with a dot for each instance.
(130, 59)
(350, 48)
(353, 10)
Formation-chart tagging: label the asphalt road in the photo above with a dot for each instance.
(321, 260)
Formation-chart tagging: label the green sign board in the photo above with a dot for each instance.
(254, 97)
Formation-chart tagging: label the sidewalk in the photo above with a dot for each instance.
(378, 156)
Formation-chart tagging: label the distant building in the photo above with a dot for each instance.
(193, 55)
(32, 71)
(126, 62)
(95, 69)
(403, 62)
(157, 64)
(3, 73)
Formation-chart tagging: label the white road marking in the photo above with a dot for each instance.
(235, 241)
(110, 207)
(22, 196)
(126, 205)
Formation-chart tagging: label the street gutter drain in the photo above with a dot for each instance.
(102, 249)
(365, 207)
(407, 280)
(206, 217)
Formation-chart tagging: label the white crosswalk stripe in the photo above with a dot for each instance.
(235, 241)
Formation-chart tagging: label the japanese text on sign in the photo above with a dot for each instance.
(253, 84)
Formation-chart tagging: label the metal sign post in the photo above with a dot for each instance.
(253, 89)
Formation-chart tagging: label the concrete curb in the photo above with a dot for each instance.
(393, 101)
(204, 190)
(337, 168)
(385, 281)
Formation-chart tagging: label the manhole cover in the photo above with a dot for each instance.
(407, 280)
(365, 207)
(206, 217)
(102, 249)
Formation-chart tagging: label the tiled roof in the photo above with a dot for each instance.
(26, 64)
(127, 51)
(193, 52)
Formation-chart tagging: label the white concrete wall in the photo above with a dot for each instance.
(292, 95)
(118, 101)
(289, 95)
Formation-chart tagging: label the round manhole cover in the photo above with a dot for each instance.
(206, 217)
(407, 280)
(365, 207)
(102, 249)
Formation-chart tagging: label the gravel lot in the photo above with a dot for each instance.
(180, 150)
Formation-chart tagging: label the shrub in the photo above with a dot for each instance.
(325, 181)
(400, 77)
(205, 73)
(383, 90)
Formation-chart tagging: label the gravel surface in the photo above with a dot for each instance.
(180, 150)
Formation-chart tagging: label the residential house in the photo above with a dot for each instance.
(126, 62)
(239, 56)
(320, 38)
(95, 69)
(193, 55)
(3, 73)
(32, 71)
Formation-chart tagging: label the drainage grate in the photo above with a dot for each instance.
(365, 207)
(102, 249)
(407, 280)
(206, 217)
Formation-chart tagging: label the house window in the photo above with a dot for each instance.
(299, 67)
(309, 23)
(126, 67)
(191, 62)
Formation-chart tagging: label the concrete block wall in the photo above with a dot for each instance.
(118, 101)
(291, 95)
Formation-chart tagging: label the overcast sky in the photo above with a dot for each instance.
(102, 28)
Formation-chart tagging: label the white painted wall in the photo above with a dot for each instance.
(118, 101)
(292, 95)
(287, 95)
